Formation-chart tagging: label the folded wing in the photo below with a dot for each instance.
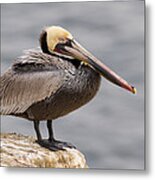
(19, 90)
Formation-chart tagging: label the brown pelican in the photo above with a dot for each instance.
(52, 82)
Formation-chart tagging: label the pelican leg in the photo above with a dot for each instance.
(36, 127)
(44, 142)
(50, 130)
(50, 143)
(55, 143)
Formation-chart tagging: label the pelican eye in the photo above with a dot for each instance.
(68, 43)
(60, 47)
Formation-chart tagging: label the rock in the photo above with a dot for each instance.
(23, 151)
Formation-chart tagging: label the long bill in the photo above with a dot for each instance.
(77, 51)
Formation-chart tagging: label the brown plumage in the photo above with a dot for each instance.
(47, 84)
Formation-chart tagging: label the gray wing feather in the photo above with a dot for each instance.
(20, 91)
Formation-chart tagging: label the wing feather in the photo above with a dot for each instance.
(18, 91)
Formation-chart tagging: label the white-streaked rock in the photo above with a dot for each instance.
(23, 151)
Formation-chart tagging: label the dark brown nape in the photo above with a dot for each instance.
(43, 42)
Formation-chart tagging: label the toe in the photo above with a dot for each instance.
(55, 145)
(69, 145)
(64, 144)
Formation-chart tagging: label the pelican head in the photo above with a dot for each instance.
(57, 39)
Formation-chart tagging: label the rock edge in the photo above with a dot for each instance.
(22, 151)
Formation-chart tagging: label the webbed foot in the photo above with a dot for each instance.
(54, 145)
